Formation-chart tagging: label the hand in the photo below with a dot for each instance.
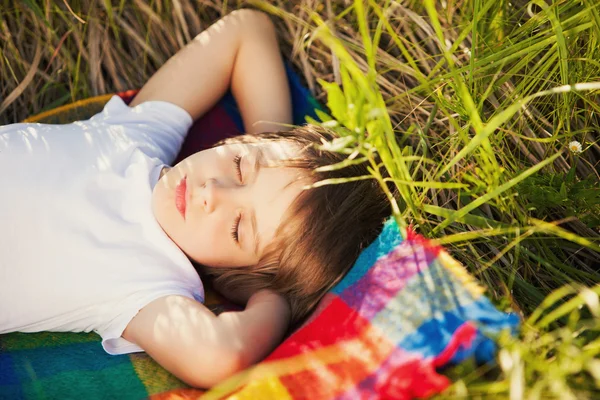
(266, 296)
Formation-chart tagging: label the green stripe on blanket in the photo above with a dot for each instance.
(74, 365)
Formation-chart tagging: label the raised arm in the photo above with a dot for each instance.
(202, 349)
(239, 51)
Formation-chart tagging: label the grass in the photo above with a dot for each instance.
(470, 104)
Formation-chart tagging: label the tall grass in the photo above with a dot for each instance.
(470, 104)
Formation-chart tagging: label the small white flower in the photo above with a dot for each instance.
(575, 147)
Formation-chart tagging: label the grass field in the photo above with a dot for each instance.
(474, 107)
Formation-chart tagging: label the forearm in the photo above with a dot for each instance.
(259, 82)
(233, 341)
(240, 51)
(201, 349)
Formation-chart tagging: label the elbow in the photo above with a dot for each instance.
(224, 363)
(254, 21)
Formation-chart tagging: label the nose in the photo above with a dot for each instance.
(209, 195)
(217, 193)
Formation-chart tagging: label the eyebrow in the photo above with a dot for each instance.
(255, 169)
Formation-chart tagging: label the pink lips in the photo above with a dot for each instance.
(180, 200)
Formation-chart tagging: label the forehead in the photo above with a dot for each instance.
(270, 151)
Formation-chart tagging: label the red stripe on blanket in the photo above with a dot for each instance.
(336, 323)
(414, 379)
(355, 359)
(462, 338)
(429, 245)
(402, 375)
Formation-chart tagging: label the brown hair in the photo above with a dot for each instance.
(323, 232)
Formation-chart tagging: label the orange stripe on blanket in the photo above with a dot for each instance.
(65, 108)
(330, 369)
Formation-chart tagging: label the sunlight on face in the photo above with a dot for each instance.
(223, 205)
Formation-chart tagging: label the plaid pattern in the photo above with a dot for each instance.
(73, 366)
(404, 309)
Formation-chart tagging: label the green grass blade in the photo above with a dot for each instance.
(502, 188)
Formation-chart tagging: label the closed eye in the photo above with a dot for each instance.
(235, 229)
(238, 166)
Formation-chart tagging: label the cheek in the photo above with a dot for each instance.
(207, 234)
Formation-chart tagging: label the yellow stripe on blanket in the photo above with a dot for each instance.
(463, 276)
(152, 375)
(270, 388)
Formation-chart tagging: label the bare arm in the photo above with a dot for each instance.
(202, 349)
(239, 51)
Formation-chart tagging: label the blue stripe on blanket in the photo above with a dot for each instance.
(385, 242)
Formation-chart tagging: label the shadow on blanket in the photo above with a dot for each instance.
(405, 309)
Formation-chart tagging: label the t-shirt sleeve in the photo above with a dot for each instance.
(158, 127)
(112, 342)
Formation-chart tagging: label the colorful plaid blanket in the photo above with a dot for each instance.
(405, 309)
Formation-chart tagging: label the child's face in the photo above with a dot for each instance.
(220, 215)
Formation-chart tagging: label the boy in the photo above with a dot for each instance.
(110, 233)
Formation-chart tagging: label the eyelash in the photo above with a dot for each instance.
(238, 165)
(237, 160)
(235, 228)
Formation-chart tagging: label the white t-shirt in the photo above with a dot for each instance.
(80, 249)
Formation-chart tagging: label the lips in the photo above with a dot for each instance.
(180, 191)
